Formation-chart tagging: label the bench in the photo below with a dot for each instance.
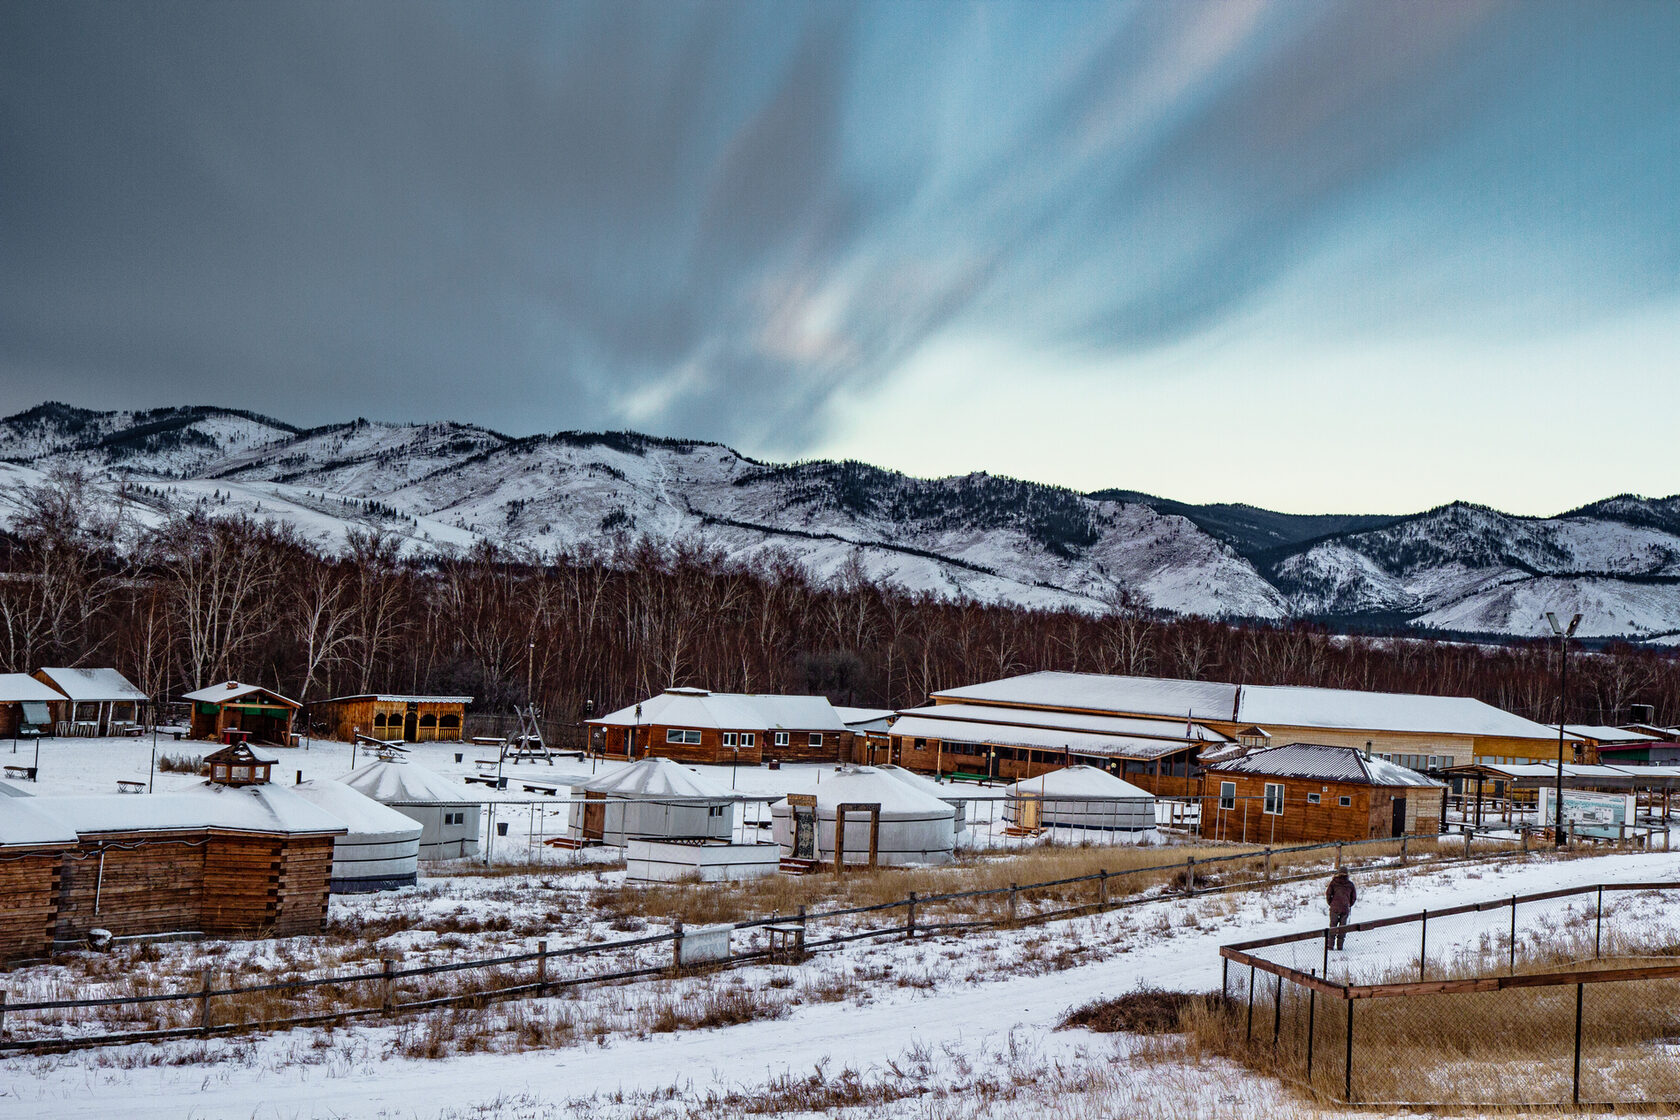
(960, 776)
(129, 785)
(552, 791)
(26, 773)
(486, 764)
(487, 741)
(492, 781)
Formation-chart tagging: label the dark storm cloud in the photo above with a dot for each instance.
(710, 218)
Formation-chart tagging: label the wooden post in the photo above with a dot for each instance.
(1250, 1037)
(204, 1001)
(1014, 890)
(1277, 1011)
(910, 918)
(388, 987)
(1190, 875)
(1338, 855)
(676, 946)
(1404, 836)
(1468, 836)
(1102, 889)
(1580, 990)
(1423, 943)
(2, 1013)
(1312, 1015)
(1347, 1075)
(1268, 863)
(542, 967)
(1598, 931)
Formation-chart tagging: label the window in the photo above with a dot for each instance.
(1344, 801)
(682, 735)
(1313, 799)
(814, 739)
(729, 738)
(714, 811)
(921, 744)
(1227, 794)
(1274, 799)
(455, 818)
(781, 738)
(241, 773)
(746, 738)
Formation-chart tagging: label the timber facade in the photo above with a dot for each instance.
(411, 719)
(1267, 809)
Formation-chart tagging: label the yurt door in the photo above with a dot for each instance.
(1031, 811)
(594, 816)
(803, 808)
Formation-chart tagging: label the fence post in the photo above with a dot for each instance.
(1338, 855)
(1468, 836)
(1268, 865)
(676, 946)
(542, 968)
(1347, 1074)
(2, 1013)
(1190, 875)
(1598, 931)
(387, 987)
(204, 1001)
(910, 918)
(1250, 1037)
(1524, 832)
(1403, 838)
(1102, 889)
(1579, 990)
(1013, 891)
(1312, 1014)
(1224, 977)
(1423, 942)
(1277, 1011)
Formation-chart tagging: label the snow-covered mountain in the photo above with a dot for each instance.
(446, 485)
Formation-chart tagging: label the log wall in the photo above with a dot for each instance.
(29, 886)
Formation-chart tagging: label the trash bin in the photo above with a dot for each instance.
(457, 756)
(775, 764)
(501, 828)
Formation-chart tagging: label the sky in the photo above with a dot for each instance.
(1323, 257)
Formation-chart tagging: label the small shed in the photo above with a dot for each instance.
(390, 716)
(381, 849)
(247, 711)
(915, 827)
(98, 701)
(448, 812)
(948, 794)
(1311, 792)
(651, 798)
(25, 705)
(1083, 797)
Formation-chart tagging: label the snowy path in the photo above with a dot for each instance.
(971, 1018)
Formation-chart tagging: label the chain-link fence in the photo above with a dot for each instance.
(1568, 996)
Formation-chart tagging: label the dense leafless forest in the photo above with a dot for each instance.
(199, 599)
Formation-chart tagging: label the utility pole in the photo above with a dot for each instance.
(1564, 633)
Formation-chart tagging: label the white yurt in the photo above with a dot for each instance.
(448, 811)
(1081, 797)
(381, 850)
(655, 797)
(916, 827)
(927, 785)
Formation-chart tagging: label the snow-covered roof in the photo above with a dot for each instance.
(1180, 729)
(868, 785)
(389, 698)
(1605, 735)
(12, 789)
(16, 687)
(406, 783)
(363, 817)
(1330, 764)
(730, 711)
(1039, 738)
(924, 783)
(25, 823)
(1267, 705)
(1096, 692)
(865, 719)
(94, 685)
(253, 808)
(655, 778)
(1082, 782)
(233, 690)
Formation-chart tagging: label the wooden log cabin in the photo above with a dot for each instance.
(1011, 744)
(234, 857)
(412, 719)
(695, 725)
(26, 704)
(261, 714)
(97, 701)
(1311, 793)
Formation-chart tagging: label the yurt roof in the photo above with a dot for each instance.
(262, 807)
(868, 784)
(361, 814)
(94, 685)
(1079, 781)
(406, 783)
(655, 777)
(922, 782)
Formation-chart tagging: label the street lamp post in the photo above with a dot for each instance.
(1564, 633)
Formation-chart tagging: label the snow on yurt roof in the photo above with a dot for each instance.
(1080, 782)
(263, 807)
(26, 823)
(94, 684)
(655, 777)
(406, 783)
(868, 784)
(923, 783)
(362, 815)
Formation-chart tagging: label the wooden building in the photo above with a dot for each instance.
(412, 719)
(1416, 731)
(1014, 743)
(1308, 792)
(97, 701)
(871, 738)
(694, 725)
(26, 704)
(1616, 745)
(263, 715)
(229, 860)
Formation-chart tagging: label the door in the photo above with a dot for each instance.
(1399, 817)
(594, 816)
(804, 833)
(411, 726)
(1030, 812)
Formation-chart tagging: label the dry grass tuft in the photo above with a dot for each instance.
(1145, 1011)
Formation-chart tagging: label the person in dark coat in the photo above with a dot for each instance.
(1341, 894)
